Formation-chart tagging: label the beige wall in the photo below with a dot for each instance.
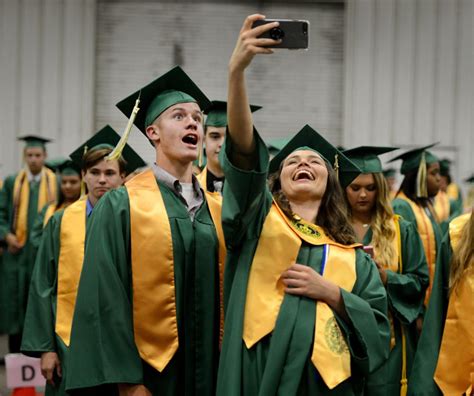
(408, 76)
(47, 59)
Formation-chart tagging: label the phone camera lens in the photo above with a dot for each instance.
(277, 34)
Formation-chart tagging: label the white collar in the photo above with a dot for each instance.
(31, 177)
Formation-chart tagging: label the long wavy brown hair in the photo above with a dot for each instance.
(463, 254)
(332, 215)
(383, 227)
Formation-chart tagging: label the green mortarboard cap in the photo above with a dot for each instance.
(34, 141)
(108, 138)
(55, 163)
(308, 139)
(444, 166)
(275, 145)
(171, 88)
(470, 179)
(389, 172)
(69, 168)
(412, 159)
(366, 157)
(217, 113)
(64, 166)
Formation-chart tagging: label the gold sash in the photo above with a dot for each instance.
(455, 369)
(153, 285)
(50, 211)
(427, 235)
(278, 247)
(21, 196)
(441, 206)
(214, 202)
(202, 179)
(453, 191)
(71, 257)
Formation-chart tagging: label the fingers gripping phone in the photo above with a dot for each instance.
(293, 33)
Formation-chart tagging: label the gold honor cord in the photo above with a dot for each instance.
(117, 151)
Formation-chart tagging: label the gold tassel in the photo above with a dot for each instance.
(421, 181)
(336, 166)
(83, 184)
(117, 151)
(201, 154)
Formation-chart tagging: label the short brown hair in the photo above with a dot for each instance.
(93, 157)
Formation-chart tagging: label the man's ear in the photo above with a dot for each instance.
(153, 133)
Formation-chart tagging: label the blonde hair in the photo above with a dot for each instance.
(463, 255)
(383, 228)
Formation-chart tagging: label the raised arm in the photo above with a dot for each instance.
(240, 124)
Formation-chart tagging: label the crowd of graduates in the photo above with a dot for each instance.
(290, 267)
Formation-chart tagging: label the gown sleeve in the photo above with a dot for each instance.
(38, 331)
(6, 194)
(421, 382)
(102, 349)
(246, 199)
(406, 291)
(368, 329)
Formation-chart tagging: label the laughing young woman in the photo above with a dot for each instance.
(398, 254)
(305, 309)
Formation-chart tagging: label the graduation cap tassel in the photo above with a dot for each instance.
(336, 166)
(421, 182)
(83, 184)
(117, 151)
(200, 155)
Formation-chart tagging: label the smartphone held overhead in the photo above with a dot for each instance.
(293, 33)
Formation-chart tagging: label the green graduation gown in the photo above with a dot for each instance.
(15, 269)
(405, 293)
(280, 363)
(103, 350)
(39, 331)
(403, 208)
(421, 382)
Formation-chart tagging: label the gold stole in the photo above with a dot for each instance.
(455, 369)
(202, 179)
(71, 257)
(50, 211)
(453, 191)
(153, 285)
(397, 266)
(427, 235)
(278, 247)
(21, 196)
(214, 202)
(441, 205)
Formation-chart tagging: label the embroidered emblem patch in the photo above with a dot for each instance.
(334, 338)
(307, 229)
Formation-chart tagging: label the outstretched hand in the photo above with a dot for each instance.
(248, 45)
